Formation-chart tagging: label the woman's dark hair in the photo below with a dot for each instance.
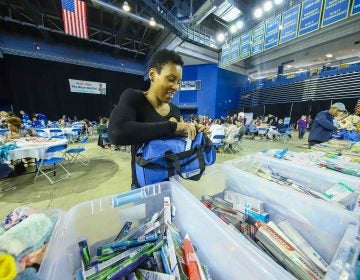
(163, 57)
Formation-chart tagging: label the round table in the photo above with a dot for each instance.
(33, 147)
(65, 131)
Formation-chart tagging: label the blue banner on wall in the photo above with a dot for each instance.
(225, 54)
(355, 9)
(257, 45)
(290, 22)
(245, 46)
(334, 11)
(310, 16)
(235, 48)
(272, 32)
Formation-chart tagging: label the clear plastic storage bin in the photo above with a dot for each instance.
(50, 212)
(311, 158)
(96, 220)
(333, 232)
(315, 178)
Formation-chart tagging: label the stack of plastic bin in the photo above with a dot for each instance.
(98, 221)
(315, 178)
(332, 231)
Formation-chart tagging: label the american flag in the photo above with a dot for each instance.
(74, 16)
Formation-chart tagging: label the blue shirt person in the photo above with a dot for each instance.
(323, 125)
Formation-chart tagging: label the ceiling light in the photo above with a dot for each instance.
(301, 69)
(267, 6)
(329, 55)
(220, 37)
(212, 46)
(240, 24)
(258, 13)
(126, 7)
(280, 27)
(278, 2)
(233, 29)
(288, 66)
(152, 22)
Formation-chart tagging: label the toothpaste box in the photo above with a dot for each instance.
(241, 202)
(338, 192)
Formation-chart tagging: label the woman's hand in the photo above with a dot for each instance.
(186, 129)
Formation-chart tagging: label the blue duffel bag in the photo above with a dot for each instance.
(160, 159)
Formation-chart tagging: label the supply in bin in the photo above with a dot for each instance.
(152, 250)
(338, 194)
(24, 235)
(280, 240)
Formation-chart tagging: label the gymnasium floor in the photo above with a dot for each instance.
(107, 173)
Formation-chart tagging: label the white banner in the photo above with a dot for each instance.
(87, 87)
(190, 85)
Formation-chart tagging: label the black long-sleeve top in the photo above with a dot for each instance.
(134, 121)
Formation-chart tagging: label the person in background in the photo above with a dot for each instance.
(323, 125)
(206, 121)
(36, 123)
(14, 125)
(271, 120)
(216, 129)
(42, 119)
(352, 122)
(309, 121)
(102, 130)
(3, 116)
(62, 123)
(280, 128)
(143, 116)
(25, 117)
(302, 124)
(64, 117)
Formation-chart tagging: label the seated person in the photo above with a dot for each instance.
(352, 122)
(14, 125)
(36, 123)
(42, 118)
(25, 117)
(216, 129)
(280, 128)
(103, 129)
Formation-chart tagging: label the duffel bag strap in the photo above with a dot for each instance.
(173, 160)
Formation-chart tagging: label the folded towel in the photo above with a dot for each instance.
(18, 215)
(28, 274)
(7, 267)
(27, 236)
(35, 257)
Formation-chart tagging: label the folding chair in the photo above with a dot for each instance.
(75, 153)
(53, 161)
(253, 131)
(56, 132)
(41, 133)
(75, 135)
(262, 131)
(286, 135)
(218, 142)
(3, 131)
(231, 139)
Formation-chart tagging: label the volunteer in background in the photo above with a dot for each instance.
(143, 116)
(323, 125)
